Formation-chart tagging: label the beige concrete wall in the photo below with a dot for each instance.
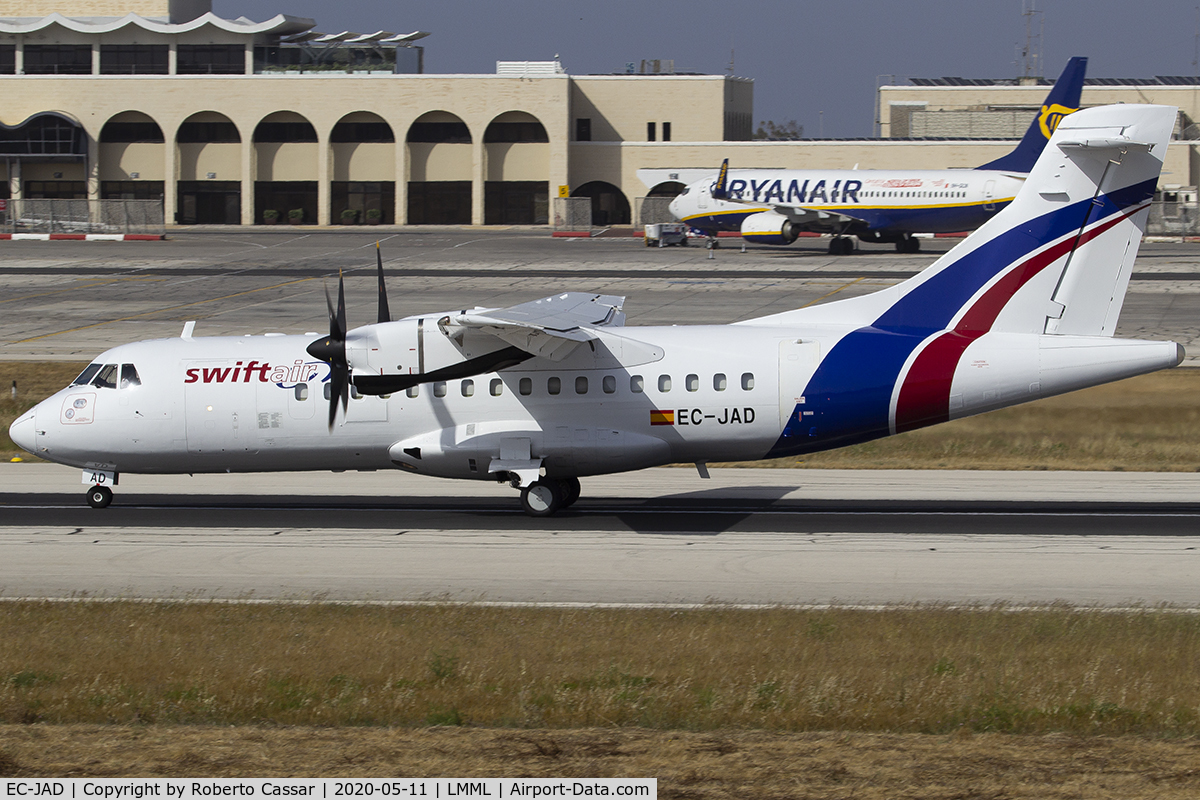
(520, 161)
(117, 161)
(175, 10)
(364, 161)
(197, 160)
(439, 162)
(45, 172)
(286, 161)
(621, 105)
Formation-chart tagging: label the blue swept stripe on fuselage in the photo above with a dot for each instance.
(848, 399)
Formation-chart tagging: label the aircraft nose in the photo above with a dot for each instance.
(23, 431)
(674, 208)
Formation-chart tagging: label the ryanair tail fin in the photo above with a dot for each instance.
(1062, 100)
(720, 189)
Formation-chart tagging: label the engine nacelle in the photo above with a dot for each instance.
(769, 227)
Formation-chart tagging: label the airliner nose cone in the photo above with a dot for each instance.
(22, 432)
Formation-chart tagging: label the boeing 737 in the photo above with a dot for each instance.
(543, 393)
(775, 206)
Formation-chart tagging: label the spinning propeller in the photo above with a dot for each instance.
(332, 348)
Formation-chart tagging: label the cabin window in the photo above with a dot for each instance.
(106, 378)
(692, 383)
(129, 376)
(637, 384)
(719, 382)
(439, 389)
(664, 383)
(747, 381)
(609, 384)
(525, 387)
(581, 385)
(413, 391)
(553, 385)
(86, 376)
(301, 391)
(468, 388)
(496, 387)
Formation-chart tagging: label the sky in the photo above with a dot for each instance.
(817, 62)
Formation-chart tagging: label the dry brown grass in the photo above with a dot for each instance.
(35, 382)
(908, 670)
(688, 765)
(1149, 423)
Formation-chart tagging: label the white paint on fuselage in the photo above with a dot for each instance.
(191, 415)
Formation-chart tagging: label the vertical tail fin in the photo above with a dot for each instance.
(1062, 100)
(720, 189)
(1057, 259)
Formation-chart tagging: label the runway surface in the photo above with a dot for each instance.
(658, 536)
(72, 300)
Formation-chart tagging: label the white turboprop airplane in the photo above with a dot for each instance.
(774, 206)
(543, 393)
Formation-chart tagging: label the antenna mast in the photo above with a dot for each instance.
(1031, 53)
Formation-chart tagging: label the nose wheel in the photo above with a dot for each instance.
(99, 496)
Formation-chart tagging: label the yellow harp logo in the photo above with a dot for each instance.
(1052, 115)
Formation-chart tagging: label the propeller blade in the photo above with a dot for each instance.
(332, 350)
(341, 308)
(384, 314)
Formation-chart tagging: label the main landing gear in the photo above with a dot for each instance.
(99, 496)
(841, 246)
(908, 245)
(546, 496)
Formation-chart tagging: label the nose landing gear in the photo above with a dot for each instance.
(99, 496)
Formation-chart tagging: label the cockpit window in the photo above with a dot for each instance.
(129, 376)
(686, 189)
(106, 378)
(86, 376)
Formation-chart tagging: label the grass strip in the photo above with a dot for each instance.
(1149, 423)
(925, 669)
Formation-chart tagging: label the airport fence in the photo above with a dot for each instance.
(652, 210)
(572, 213)
(82, 216)
(1173, 218)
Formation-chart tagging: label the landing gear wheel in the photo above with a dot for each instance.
(569, 488)
(541, 498)
(841, 246)
(908, 245)
(99, 496)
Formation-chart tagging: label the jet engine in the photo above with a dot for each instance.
(769, 227)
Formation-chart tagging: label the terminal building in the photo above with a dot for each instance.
(243, 123)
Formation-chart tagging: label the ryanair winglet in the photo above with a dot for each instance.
(1062, 100)
(719, 188)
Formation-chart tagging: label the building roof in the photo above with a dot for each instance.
(280, 24)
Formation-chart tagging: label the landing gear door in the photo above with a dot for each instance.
(798, 360)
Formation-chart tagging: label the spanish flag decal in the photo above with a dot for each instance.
(662, 417)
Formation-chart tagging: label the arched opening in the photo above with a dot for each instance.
(517, 190)
(364, 150)
(51, 148)
(666, 189)
(209, 190)
(131, 158)
(609, 206)
(285, 184)
(439, 181)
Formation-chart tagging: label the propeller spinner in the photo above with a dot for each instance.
(332, 348)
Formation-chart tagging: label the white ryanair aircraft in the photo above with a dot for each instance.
(772, 206)
(543, 393)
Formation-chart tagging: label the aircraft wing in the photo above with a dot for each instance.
(551, 327)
